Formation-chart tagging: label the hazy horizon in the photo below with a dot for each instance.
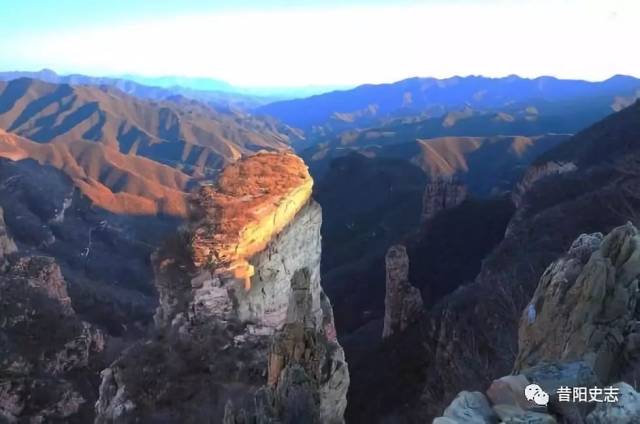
(322, 44)
(141, 77)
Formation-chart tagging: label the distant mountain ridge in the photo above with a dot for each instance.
(368, 105)
(215, 93)
(129, 155)
(181, 133)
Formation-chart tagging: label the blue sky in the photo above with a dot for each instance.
(329, 42)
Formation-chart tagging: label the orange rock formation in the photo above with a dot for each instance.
(253, 200)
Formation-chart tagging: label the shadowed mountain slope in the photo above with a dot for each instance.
(104, 256)
(484, 164)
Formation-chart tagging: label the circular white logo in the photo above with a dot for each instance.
(535, 394)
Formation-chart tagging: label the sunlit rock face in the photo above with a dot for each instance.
(245, 332)
(253, 201)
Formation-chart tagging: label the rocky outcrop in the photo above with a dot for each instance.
(48, 356)
(7, 245)
(468, 407)
(625, 411)
(440, 194)
(235, 347)
(584, 304)
(403, 302)
(252, 202)
(104, 257)
(537, 172)
(575, 332)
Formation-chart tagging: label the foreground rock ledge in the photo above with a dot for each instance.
(255, 346)
(580, 329)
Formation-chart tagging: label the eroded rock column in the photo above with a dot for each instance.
(403, 302)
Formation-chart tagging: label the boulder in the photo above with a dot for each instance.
(625, 411)
(468, 408)
(509, 390)
(551, 376)
(515, 415)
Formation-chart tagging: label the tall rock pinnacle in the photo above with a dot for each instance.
(245, 332)
(403, 302)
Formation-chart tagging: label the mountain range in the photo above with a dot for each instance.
(440, 203)
(420, 98)
(214, 92)
(99, 134)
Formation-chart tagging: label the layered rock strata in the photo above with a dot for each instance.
(252, 202)
(245, 332)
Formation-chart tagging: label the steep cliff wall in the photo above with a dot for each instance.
(245, 333)
(440, 194)
(580, 329)
(537, 172)
(252, 202)
(7, 245)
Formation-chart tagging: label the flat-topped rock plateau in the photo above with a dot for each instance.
(253, 200)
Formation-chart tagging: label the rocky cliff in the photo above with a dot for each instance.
(48, 356)
(470, 337)
(403, 302)
(537, 172)
(7, 245)
(578, 330)
(244, 331)
(441, 194)
(104, 257)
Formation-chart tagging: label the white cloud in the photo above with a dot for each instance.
(583, 39)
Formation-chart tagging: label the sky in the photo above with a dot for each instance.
(263, 43)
